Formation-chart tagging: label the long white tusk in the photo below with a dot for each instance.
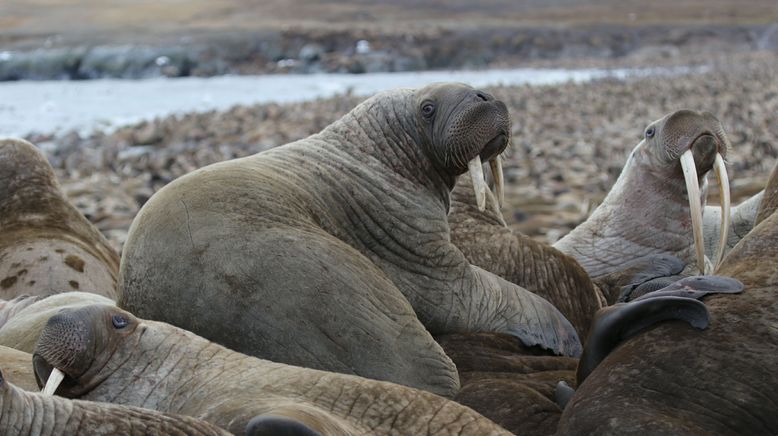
(721, 175)
(55, 378)
(695, 205)
(496, 165)
(479, 184)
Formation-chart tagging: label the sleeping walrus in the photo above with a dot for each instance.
(333, 252)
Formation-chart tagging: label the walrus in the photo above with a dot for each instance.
(28, 413)
(677, 380)
(106, 354)
(333, 252)
(46, 244)
(655, 206)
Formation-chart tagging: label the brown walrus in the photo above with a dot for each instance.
(333, 252)
(46, 245)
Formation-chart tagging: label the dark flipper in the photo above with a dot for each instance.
(273, 425)
(693, 287)
(650, 274)
(615, 324)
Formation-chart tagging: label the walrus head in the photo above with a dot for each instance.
(460, 128)
(685, 145)
(75, 346)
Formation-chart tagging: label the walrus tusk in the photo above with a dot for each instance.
(479, 184)
(695, 205)
(721, 175)
(496, 165)
(55, 378)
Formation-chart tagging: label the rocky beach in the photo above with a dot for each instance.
(569, 143)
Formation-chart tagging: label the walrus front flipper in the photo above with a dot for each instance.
(651, 273)
(693, 287)
(615, 324)
(273, 425)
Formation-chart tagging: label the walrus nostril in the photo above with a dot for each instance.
(482, 96)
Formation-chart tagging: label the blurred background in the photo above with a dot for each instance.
(126, 95)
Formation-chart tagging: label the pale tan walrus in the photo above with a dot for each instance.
(46, 245)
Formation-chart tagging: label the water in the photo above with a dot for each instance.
(59, 106)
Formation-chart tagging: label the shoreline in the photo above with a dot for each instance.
(570, 142)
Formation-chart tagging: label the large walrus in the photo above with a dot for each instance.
(46, 245)
(103, 353)
(333, 252)
(655, 206)
(677, 380)
(25, 413)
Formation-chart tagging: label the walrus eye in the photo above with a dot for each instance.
(428, 109)
(119, 321)
(650, 132)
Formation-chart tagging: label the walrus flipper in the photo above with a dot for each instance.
(616, 324)
(694, 287)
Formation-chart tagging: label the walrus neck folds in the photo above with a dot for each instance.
(657, 224)
(384, 130)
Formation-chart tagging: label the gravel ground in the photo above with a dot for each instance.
(570, 142)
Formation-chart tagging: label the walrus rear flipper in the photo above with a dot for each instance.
(615, 324)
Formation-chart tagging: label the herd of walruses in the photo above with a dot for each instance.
(363, 281)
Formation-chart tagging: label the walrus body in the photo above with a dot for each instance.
(333, 252)
(17, 368)
(26, 413)
(46, 245)
(157, 366)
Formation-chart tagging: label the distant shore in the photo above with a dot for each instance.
(301, 50)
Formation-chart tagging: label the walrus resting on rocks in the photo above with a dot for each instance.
(27, 413)
(107, 354)
(310, 253)
(46, 245)
(655, 206)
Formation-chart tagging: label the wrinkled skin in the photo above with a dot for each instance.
(677, 380)
(333, 252)
(26, 413)
(46, 245)
(510, 384)
(487, 242)
(647, 210)
(28, 316)
(17, 369)
(155, 365)
(743, 218)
